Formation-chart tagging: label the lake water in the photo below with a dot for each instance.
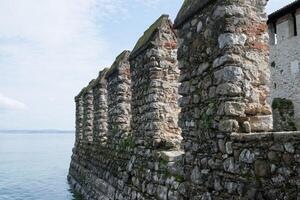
(35, 166)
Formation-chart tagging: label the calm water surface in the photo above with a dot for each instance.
(35, 166)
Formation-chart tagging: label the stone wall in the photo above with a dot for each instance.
(263, 166)
(283, 115)
(119, 98)
(222, 147)
(285, 62)
(100, 109)
(138, 162)
(155, 83)
(79, 120)
(93, 172)
(88, 112)
(223, 57)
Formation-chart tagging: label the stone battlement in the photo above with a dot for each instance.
(185, 114)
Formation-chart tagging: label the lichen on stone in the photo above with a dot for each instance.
(143, 41)
(282, 103)
(116, 63)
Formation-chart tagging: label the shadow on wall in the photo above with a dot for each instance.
(283, 115)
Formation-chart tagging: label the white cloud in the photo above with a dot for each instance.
(149, 3)
(50, 49)
(7, 103)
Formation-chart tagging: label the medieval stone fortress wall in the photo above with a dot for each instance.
(284, 30)
(185, 115)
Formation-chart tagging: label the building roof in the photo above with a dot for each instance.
(290, 8)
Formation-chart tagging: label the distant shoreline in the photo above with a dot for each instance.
(37, 131)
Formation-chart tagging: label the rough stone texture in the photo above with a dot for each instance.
(283, 115)
(273, 170)
(88, 113)
(79, 120)
(223, 58)
(119, 98)
(100, 108)
(284, 62)
(226, 151)
(123, 167)
(93, 171)
(224, 68)
(155, 73)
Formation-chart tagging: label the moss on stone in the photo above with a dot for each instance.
(92, 83)
(282, 103)
(101, 75)
(188, 9)
(273, 64)
(114, 129)
(163, 162)
(206, 121)
(116, 63)
(179, 178)
(127, 142)
(149, 33)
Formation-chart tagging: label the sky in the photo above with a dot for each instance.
(50, 49)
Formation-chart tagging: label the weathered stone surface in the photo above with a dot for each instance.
(119, 98)
(283, 115)
(218, 146)
(247, 156)
(100, 108)
(171, 156)
(113, 161)
(188, 9)
(155, 88)
(262, 168)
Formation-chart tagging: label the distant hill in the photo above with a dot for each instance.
(46, 131)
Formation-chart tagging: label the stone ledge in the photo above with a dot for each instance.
(144, 41)
(276, 136)
(116, 63)
(101, 76)
(93, 83)
(189, 9)
(171, 156)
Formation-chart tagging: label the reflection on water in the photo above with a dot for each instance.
(35, 166)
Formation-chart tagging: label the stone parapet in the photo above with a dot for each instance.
(155, 73)
(221, 148)
(79, 120)
(264, 165)
(88, 114)
(119, 98)
(100, 108)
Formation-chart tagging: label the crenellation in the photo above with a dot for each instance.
(79, 119)
(186, 115)
(155, 73)
(100, 108)
(88, 114)
(119, 97)
(216, 73)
